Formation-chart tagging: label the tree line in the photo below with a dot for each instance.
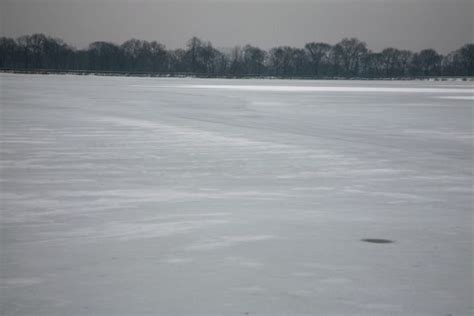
(348, 58)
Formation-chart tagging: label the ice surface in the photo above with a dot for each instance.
(134, 196)
(293, 88)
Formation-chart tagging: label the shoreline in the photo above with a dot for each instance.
(219, 76)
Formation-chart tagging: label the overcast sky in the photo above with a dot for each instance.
(407, 24)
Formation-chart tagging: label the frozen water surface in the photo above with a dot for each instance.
(134, 196)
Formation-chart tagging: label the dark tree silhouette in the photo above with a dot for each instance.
(318, 54)
(466, 56)
(427, 63)
(286, 61)
(350, 52)
(9, 52)
(253, 60)
(105, 56)
(348, 58)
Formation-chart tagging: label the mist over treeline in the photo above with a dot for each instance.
(348, 58)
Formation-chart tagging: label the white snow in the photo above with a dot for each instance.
(281, 88)
(457, 97)
(147, 196)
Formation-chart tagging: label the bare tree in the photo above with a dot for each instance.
(466, 54)
(194, 45)
(105, 56)
(350, 51)
(427, 63)
(8, 52)
(253, 59)
(349, 57)
(318, 52)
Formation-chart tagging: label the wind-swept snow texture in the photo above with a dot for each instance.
(141, 196)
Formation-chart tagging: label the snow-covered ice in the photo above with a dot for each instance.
(135, 196)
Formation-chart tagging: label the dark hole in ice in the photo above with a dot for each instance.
(378, 240)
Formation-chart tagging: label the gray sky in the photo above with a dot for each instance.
(407, 24)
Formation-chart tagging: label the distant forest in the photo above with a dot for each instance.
(349, 58)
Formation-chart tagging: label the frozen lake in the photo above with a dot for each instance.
(134, 196)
